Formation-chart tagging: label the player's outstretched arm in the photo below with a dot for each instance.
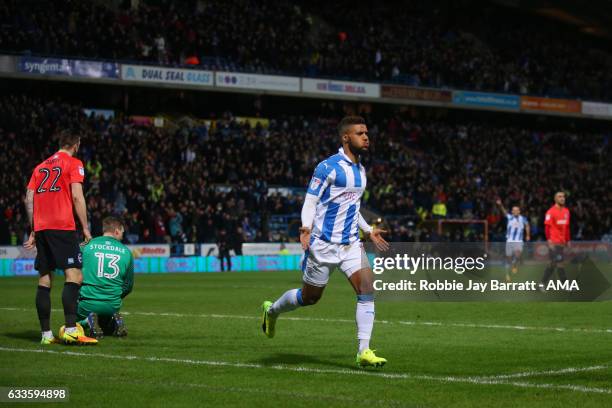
(80, 208)
(375, 234)
(378, 240)
(500, 204)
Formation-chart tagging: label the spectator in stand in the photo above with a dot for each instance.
(149, 182)
(431, 43)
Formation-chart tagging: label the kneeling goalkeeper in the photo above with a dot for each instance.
(108, 277)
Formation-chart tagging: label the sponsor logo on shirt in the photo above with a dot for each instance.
(349, 195)
(315, 183)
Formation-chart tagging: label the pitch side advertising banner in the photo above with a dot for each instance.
(17, 267)
(68, 67)
(142, 73)
(8, 63)
(597, 109)
(419, 94)
(194, 264)
(550, 104)
(15, 252)
(255, 81)
(150, 250)
(487, 100)
(330, 87)
(199, 264)
(271, 248)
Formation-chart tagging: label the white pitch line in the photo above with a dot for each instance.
(328, 320)
(509, 327)
(561, 371)
(299, 369)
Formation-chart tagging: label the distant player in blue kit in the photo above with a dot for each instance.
(330, 237)
(517, 231)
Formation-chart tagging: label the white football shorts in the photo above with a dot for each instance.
(322, 257)
(512, 247)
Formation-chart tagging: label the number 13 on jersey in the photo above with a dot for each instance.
(110, 265)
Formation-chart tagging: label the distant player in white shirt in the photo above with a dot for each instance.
(517, 228)
(330, 237)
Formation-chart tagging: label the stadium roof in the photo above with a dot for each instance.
(592, 17)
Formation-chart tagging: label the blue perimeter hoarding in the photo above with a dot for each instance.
(68, 67)
(244, 263)
(487, 100)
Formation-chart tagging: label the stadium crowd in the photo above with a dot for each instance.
(429, 43)
(203, 183)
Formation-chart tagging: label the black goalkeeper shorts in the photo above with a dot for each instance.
(557, 253)
(57, 249)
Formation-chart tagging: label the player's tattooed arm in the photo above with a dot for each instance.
(29, 205)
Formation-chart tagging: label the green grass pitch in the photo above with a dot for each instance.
(195, 340)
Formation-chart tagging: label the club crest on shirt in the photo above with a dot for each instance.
(81, 171)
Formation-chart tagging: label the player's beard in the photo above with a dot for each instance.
(357, 151)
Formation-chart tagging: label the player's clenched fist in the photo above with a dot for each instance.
(305, 237)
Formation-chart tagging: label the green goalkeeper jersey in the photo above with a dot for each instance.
(108, 271)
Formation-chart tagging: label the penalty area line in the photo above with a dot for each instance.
(300, 369)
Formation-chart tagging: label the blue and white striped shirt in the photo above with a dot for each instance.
(339, 184)
(515, 228)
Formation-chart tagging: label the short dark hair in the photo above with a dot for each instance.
(109, 224)
(349, 121)
(68, 138)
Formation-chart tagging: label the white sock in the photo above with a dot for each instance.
(290, 300)
(364, 317)
(47, 334)
(364, 344)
